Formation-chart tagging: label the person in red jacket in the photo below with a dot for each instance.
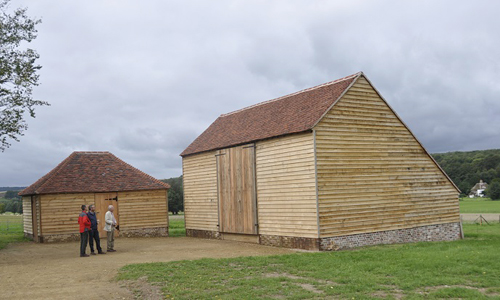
(84, 222)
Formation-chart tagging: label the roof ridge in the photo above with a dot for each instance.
(92, 152)
(293, 94)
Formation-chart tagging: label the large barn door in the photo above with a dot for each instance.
(237, 190)
(102, 201)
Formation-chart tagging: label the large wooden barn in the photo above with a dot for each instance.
(52, 204)
(330, 167)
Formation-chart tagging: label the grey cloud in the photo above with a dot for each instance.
(143, 79)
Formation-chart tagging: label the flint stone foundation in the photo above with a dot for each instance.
(430, 233)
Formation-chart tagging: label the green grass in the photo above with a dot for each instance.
(11, 229)
(466, 269)
(176, 228)
(479, 205)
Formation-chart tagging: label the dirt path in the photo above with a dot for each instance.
(55, 271)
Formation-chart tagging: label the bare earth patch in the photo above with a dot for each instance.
(392, 291)
(55, 271)
(306, 286)
(429, 289)
(142, 289)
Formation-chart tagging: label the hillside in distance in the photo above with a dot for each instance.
(11, 188)
(467, 168)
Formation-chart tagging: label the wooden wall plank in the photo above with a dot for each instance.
(27, 217)
(143, 209)
(59, 212)
(286, 196)
(200, 191)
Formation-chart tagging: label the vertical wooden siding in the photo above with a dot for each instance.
(27, 217)
(286, 189)
(200, 191)
(372, 173)
(143, 209)
(236, 189)
(59, 212)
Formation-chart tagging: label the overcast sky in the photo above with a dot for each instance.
(142, 79)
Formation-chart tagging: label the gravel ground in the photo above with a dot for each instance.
(55, 271)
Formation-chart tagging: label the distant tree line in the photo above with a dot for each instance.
(175, 195)
(11, 202)
(11, 188)
(468, 168)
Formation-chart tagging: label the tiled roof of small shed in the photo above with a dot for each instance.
(90, 172)
(294, 113)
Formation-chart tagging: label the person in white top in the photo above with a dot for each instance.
(110, 225)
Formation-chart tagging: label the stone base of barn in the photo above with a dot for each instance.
(289, 242)
(55, 238)
(145, 232)
(430, 233)
(204, 234)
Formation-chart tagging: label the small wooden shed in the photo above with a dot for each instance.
(52, 204)
(330, 167)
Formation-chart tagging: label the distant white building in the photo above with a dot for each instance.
(478, 189)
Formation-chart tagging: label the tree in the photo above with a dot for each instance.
(175, 195)
(2, 208)
(12, 195)
(493, 190)
(18, 73)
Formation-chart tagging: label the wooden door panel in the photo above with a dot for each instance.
(102, 201)
(236, 189)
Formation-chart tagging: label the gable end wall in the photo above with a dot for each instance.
(373, 175)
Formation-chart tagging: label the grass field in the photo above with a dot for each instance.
(465, 269)
(477, 206)
(176, 227)
(11, 229)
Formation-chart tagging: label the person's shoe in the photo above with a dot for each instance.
(93, 253)
(101, 252)
(112, 250)
(85, 255)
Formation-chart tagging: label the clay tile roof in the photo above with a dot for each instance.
(89, 172)
(294, 113)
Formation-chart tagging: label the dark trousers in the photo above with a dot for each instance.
(84, 236)
(94, 235)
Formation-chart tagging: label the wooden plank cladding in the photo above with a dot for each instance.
(143, 209)
(373, 175)
(286, 194)
(200, 191)
(27, 217)
(59, 212)
(58, 215)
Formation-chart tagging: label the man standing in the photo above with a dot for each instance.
(110, 225)
(84, 222)
(94, 232)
